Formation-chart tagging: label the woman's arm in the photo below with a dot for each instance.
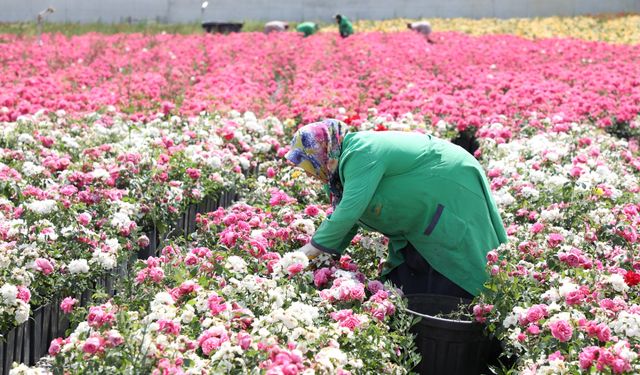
(362, 175)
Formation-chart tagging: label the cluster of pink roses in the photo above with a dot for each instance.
(466, 81)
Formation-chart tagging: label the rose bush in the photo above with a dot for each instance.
(242, 305)
(563, 292)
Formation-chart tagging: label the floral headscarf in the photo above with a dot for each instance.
(316, 148)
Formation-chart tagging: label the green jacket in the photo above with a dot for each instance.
(345, 27)
(419, 189)
(307, 28)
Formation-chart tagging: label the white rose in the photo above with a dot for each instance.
(617, 283)
(304, 225)
(78, 266)
(236, 264)
(43, 207)
(22, 312)
(105, 260)
(9, 294)
(188, 314)
(113, 244)
(30, 169)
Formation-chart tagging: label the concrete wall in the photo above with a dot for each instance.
(178, 11)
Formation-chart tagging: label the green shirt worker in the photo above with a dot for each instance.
(344, 26)
(430, 197)
(307, 28)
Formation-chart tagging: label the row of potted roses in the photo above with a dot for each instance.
(77, 196)
(233, 298)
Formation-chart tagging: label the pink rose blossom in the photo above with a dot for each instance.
(93, 345)
(321, 276)
(68, 304)
(44, 265)
(24, 294)
(561, 330)
(295, 268)
(84, 219)
(55, 346)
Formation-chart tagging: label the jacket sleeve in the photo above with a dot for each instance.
(362, 175)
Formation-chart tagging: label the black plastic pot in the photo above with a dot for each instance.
(447, 346)
(222, 27)
(467, 140)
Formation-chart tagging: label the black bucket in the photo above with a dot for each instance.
(447, 346)
(222, 27)
(467, 140)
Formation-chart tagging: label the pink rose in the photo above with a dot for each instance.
(67, 304)
(537, 227)
(495, 270)
(357, 292)
(55, 346)
(620, 366)
(536, 312)
(587, 356)
(556, 356)
(114, 338)
(216, 304)
(374, 286)
(193, 173)
(210, 344)
(244, 340)
(379, 313)
(188, 287)
(141, 276)
(574, 297)
(561, 330)
(312, 210)
(603, 332)
(156, 274)
(84, 219)
(191, 260)
(321, 276)
(533, 329)
(24, 294)
(295, 268)
(93, 345)
(576, 172)
(351, 322)
(68, 190)
(168, 327)
(96, 316)
(554, 239)
(143, 241)
(43, 265)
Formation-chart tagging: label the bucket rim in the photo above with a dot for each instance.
(444, 320)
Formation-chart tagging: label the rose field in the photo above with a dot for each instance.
(149, 222)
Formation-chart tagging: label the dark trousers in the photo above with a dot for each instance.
(416, 276)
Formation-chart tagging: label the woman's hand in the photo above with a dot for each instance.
(310, 251)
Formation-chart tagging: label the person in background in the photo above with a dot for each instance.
(275, 27)
(307, 28)
(431, 198)
(344, 26)
(423, 27)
